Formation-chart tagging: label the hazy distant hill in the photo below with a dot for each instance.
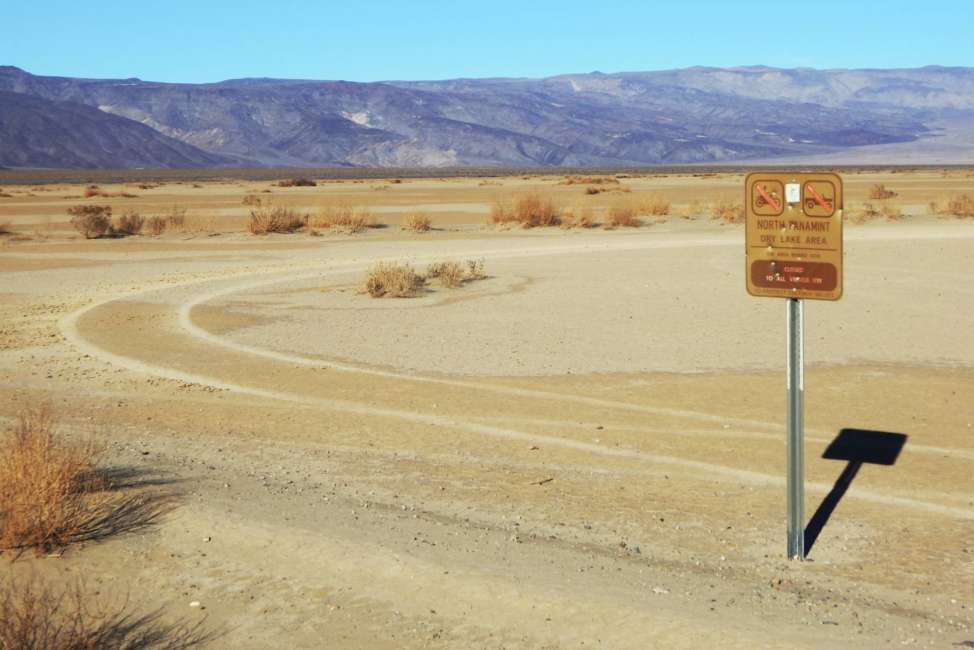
(36, 132)
(681, 116)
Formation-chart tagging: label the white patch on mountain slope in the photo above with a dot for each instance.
(361, 118)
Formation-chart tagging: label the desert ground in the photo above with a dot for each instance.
(584, 449)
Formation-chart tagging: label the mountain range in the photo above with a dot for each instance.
(693, 115)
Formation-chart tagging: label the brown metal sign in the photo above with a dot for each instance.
(794, 235)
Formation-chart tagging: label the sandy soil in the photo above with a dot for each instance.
(583, 450)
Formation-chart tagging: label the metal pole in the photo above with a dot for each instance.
(796, 429)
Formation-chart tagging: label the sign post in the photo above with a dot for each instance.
(795, 420)
(794, 251)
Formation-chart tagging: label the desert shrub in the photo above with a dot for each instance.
(961, 205)
(891, 211)
(692, 210)
(656, 205)
(130, 223)
(268, 219)
(578, 218)
(52, 493)
(91, 220)
(529, 210)
(156, 225)
(585, 220)
(37, 616)
(176, 218)
(297, 182)
(727, 211)
(417, 222)
(867, 212)
(622, 215)
(501, 213)
(393, 280)
(879, 192)
(344, 218)
(451, 273)
(475, 270)
(43, 485)
(532, 211)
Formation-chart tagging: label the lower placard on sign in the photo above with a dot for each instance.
(783, 274)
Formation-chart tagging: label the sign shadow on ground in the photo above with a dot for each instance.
(857, 446)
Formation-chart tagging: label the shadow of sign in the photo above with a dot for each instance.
(857, 446)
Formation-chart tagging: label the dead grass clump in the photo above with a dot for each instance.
(727, 211)
(130, 223)
(624, 215)
(589, 180)
(93, 190)
(296, 182)
(961, 205)
(344, 218)
(36, 616)
(92, 221)
(393, 280)
(156, 225)
(879, 192)
(417, 222)
(453, 274)
(268, 219)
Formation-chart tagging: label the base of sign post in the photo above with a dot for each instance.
(796, 428)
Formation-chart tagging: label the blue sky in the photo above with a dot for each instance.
(368, 41)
